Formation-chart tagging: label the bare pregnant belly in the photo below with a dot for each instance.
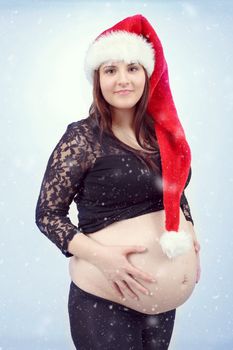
(175, 278)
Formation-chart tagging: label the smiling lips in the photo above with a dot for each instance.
(123, 92)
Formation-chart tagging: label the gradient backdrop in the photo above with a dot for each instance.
(43, 89)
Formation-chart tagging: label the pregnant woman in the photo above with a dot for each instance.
(134, 256)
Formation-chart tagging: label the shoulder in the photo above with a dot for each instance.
(78, 125)
(83, 126)
(83, 132)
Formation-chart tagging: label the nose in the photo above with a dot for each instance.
(123, 77)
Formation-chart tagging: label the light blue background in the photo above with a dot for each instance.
(43, 89)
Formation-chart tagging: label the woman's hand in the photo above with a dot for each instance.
(198, 268)
(120, 273)
(197, 250)
(196, 245)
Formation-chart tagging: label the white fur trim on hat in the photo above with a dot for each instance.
(119, 45)
(175, 243)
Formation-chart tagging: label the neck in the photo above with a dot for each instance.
(123, 118)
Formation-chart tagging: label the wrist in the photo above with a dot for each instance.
(191, 230)
(194, 237)
(97, 254)
(85, 248)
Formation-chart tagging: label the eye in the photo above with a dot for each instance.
(108, 70)
(136, 68)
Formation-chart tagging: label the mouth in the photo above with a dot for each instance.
(123, 92)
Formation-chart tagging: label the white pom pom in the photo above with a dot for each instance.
(175, 243)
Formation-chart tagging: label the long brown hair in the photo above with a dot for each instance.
(143, 122)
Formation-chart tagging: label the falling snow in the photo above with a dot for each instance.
(40, 93)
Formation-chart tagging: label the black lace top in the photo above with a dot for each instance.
(106, 180)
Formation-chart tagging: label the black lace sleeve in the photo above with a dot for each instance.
(185, 208)
(63, 175)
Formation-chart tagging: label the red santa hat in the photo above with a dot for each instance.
(134, 40)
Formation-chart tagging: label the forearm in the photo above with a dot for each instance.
(85, 248)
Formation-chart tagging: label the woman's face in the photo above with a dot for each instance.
(118, 75)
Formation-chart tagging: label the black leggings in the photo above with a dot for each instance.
(98, 323)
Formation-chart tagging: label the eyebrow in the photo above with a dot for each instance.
(112, 65)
